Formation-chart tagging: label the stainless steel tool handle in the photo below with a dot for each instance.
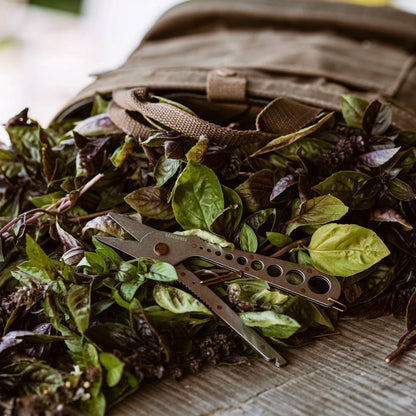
(293, 278)
(222, 310)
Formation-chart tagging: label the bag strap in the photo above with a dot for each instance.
(127, 103)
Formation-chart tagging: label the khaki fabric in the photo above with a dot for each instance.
(244, 51)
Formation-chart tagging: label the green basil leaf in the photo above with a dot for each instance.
(316, 211)
(161, 272)
(126, 271)
(114, 368)
(256, 190)
(78, 300)
(165, 169)
(96, 406)
(249, 286)
(278, 239)
(151, 202)
(268, 298)
(307, 148)
(353, 109)
(345, 249)
(271, 324)
(177, 301)
(344, 185)
(197, 197)
(248, 239)
(44, 201)
(288, 139)
(129, 289)
(91, 359)
(107, 253)
(40, 259)
(93, 263)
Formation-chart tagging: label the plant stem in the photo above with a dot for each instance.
(287, 248)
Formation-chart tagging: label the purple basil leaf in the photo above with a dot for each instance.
(377, 118)
(283, 184)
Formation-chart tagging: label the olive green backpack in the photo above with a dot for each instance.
(253, 70)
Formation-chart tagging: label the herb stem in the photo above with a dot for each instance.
(287, 248)
(89, 216)
(62, 205)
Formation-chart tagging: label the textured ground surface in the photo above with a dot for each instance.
(340, 375)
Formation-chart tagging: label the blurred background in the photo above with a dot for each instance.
(49, 48)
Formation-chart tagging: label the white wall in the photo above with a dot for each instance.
(52, 54)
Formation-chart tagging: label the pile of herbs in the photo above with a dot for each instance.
(83, 327)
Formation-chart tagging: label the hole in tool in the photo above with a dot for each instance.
(257, 265)
(242, 260)
(295, 278)
(274, 270)
(218, 253)
(319, 284)
(229, 256)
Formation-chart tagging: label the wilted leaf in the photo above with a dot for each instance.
(197, 152)
(122, 153)
(345, 249)
(283, 141)
(208, 237)
(105, 224)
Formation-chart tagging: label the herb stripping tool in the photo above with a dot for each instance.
(292, 278)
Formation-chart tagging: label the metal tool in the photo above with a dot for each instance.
(174, 249)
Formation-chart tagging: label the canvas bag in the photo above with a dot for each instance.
(278, 62)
